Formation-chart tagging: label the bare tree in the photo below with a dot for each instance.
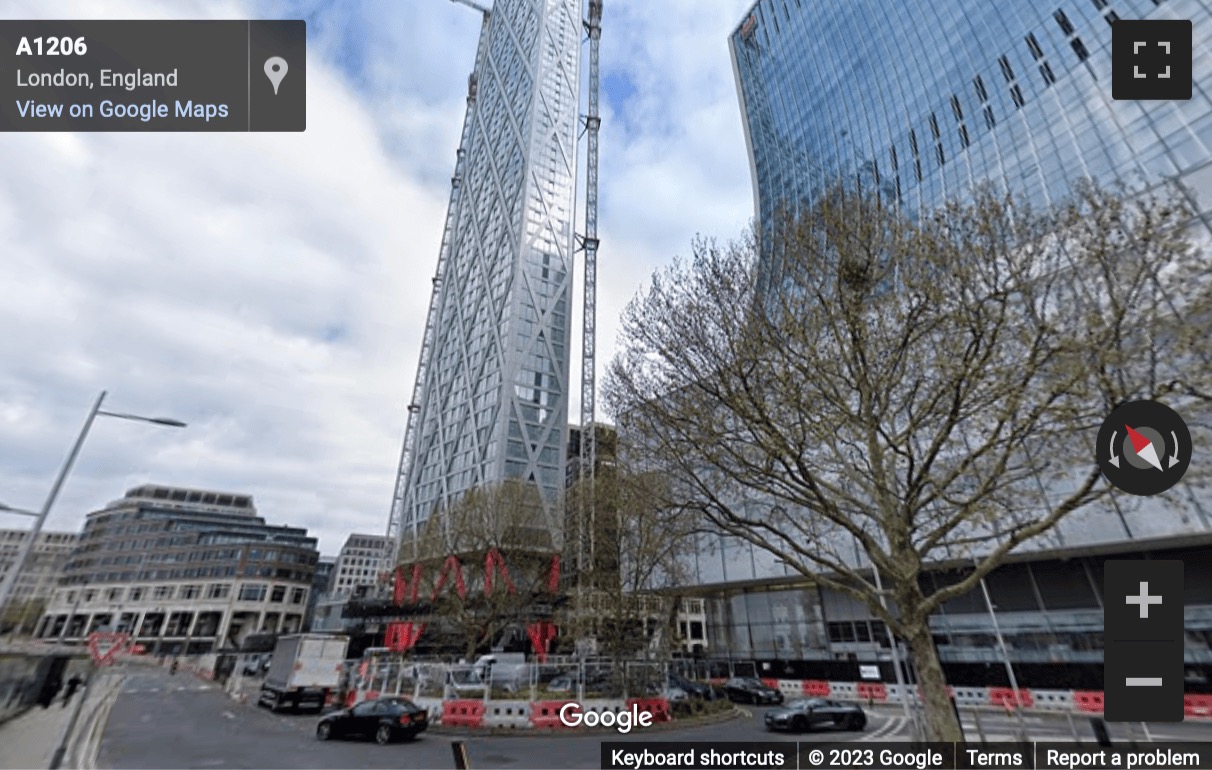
(486, 562)
(910, 389)
(639, 544)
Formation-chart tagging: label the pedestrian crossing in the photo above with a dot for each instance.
(899, 729)
(177, 688)
(890, 728)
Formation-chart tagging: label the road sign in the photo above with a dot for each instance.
(105, 646)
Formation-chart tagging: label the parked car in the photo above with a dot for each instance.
(465, 683)
(750, 690)
(385, 720)
(257, 664)
(694, 689)
(802, 715)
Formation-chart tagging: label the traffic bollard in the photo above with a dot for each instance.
(460, 755)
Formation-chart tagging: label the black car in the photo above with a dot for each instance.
(750, 690)
(692, 688)
(802, 715)
(385, 720)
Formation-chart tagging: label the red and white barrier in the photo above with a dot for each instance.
(1088, 701)
(1009, 699)
(657, 707)
(815, 688)
(1083, 701)
(545, 714)
(513, 715)
(463, 713)
(1197, 705)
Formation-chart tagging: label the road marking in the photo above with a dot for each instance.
(229, 715)
(893, 725)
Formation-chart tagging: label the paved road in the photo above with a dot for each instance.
(163, 721)
(999, 726)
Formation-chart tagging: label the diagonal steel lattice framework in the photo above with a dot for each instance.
(587, 466)
(490, 401)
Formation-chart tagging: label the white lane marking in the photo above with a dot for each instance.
(893, 725)
(229, 715)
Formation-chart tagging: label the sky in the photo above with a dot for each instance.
(270, 289)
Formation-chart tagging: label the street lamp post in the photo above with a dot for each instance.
(1001, 643)
(901, 683)
(10, 580)
(72, 616)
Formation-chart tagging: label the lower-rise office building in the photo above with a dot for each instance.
(183, 571)
(41, 573)
(357, 571)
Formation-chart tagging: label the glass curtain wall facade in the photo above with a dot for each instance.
(922, 101)
(493, 397)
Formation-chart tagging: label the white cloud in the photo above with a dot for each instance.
(270, 289)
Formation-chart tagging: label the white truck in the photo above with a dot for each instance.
(304, 670)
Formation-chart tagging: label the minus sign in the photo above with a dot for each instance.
(1143, 681)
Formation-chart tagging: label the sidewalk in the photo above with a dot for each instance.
(31, 739)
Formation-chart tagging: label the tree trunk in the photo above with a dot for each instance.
(941, 721)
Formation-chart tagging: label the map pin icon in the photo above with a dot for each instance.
(275, 70)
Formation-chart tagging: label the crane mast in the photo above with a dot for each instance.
(589, 241)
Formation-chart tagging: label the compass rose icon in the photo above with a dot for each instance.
(1144, 447)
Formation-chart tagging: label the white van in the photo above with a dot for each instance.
(507, 671)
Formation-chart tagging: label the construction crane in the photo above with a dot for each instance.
(589, 243)
(471, 4)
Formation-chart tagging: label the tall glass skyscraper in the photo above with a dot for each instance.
(491, 400)
(922, 100)
(925, 98)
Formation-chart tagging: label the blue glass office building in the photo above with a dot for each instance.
(923, 99)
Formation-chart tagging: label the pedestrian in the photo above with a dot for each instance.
(49, 691)
(73, 684)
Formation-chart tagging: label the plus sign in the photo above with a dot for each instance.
(1144, 600)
